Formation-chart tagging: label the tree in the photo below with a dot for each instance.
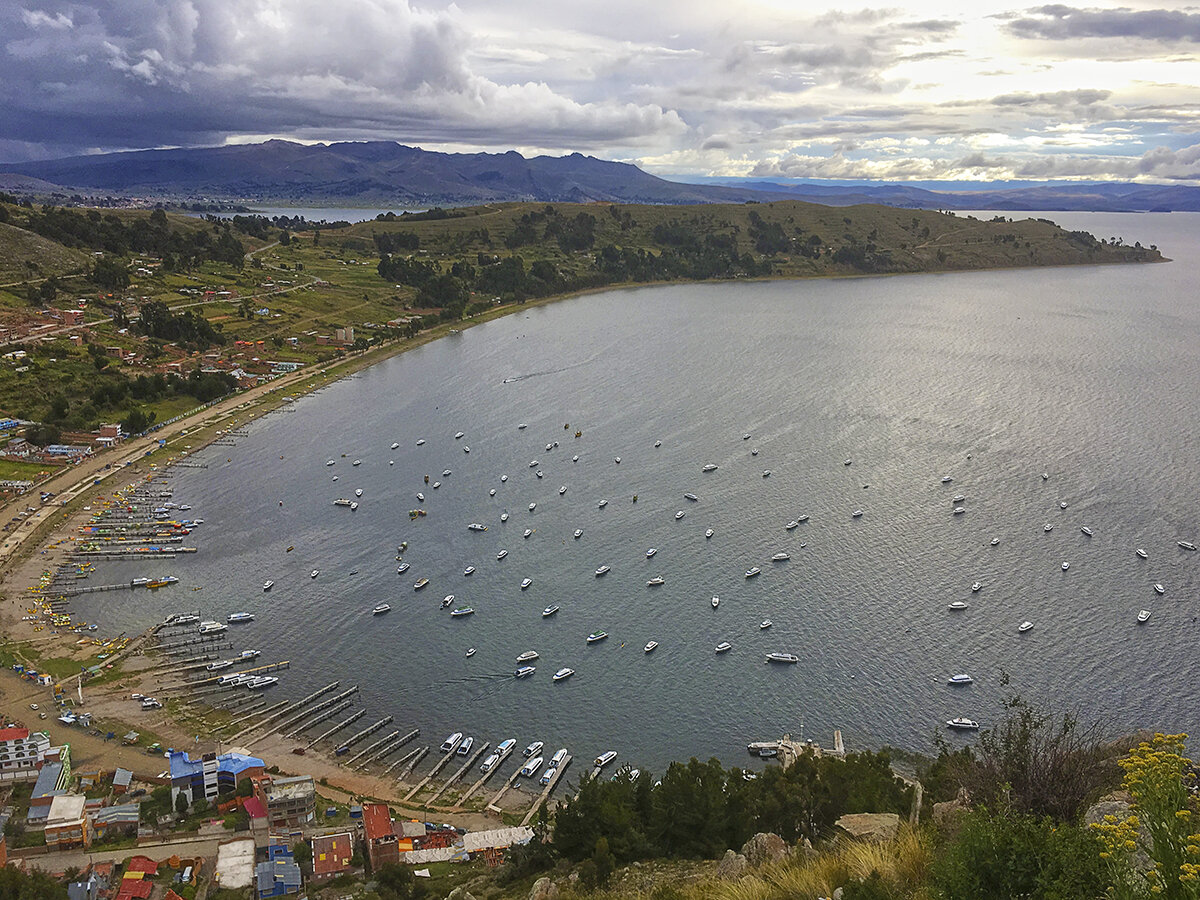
(181, 803)
(111, 273)
(302, 853)
(43, 435)
(34, 885)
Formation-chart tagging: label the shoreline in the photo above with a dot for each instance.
(21, 561)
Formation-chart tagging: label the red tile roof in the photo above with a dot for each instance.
(377, 820)
(142, 864)
(254, 808)
(13, 734)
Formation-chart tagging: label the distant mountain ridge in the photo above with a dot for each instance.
(371, 173)
(376, 173)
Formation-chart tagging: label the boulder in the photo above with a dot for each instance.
(731, 867)
(460, 893)
(1119, 805)
(764, 848)
(948, 815)
(544, 889)
(870, 826)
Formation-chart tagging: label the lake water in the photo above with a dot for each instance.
(1086, 374)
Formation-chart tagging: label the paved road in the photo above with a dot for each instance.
(79, 859)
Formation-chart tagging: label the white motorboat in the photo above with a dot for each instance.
(780, 556)
(420, 497)
(469, 570)
(723, 647)
(746, 436)
(470, 652)
(709, 533)
(452, 742)
(314, 573)
(1024, 626)
(578, 533)
(395, 444)
(462, 611)
(602, 504)
(1086, 530)
(1142, 553)
(958, 498)
(603, 570)
(458, 435)
(267, 585)
(1047, 527)
(548, 776)
(402, 568)
(353, 506)
(716, 601)
(503, 478)
(792, 524)
(476, 526)
(533, 464)
(1062, 505)
(490, 763)
(562, 490)
(605, 758)
(539, 474)
(765, 624)
(752, 571)
(857, 514)
(847, 462)
(549, 610)
(420, 442)
(502, 554)
(526, 582)
(240, 617)
(522, 426)
(617, 460)
(787, 658)
(962, 723)
(503, 517)
(959, 510)
(1158, 588)
(219, 664)
(531, 768)
(596, 636)
(651, 552)
(754, 452)
(690, 496)
(447, 600)
(959, 679)
(527, 656)
(491, 492)
(525, 671)
(342, 501)
(464, 749)
(650, 646)
(559, 756)
(533, 750)
(802, 519)
(995, 541)
(711, 467)
(532, 507)
(528, 532)
(563, 674)
(1186, 545)
(249, 654)
(958, 604)
(946, 479)
(766, 473)
(1143, 615)
(420, 583)
(658, 443)
(679, 515)
(656, 581)
(331, 462)
(381, 609)
(358, 492)
(1065, 566)
(357, 462)
(975, 587)
(575, 458)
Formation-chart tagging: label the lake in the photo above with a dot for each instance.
(1085, 374)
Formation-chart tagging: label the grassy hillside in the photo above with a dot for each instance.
(241, 297)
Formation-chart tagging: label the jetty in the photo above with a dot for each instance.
(462, 770)
(541, 798)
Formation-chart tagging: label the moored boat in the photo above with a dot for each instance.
(959, 679)
(1024, 626)
(267, 585)
(421, 582)
(241, 617)
(605, 758)
(563, 674)
(752, 571)
(525, 671)
(962, 723)
(596, 636)
(527, 656)
(526, 582)
(1143, 615)
(655, 581)
(650, 646)
(549, 611)
(787, 658)
(603, 570)
(723, 647)
(462, 611)
(381, 609)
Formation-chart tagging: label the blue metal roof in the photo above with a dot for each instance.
(230, 763)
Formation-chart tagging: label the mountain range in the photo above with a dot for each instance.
(378, 173)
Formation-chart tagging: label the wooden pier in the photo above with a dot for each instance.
(391, 747)
(366, 732)
(438, 766)
(541, 798)
(458, 774)
(336, 728)
(408, 770)
(290, 707)
(324, 704)
(337, 708)
(405, 758)
(493, 804)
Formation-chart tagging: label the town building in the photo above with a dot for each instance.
(22, 753)
(331, 854)
(111, 820)
(66, 823)
(383, 846)
(205, 778)
(290, 802)
(279, 876)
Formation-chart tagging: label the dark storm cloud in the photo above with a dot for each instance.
(1061, 23)
(136, 73)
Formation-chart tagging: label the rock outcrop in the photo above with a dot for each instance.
(731, 867)
(870, 826)
(764, 848)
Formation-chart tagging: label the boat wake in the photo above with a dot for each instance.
(514, 378)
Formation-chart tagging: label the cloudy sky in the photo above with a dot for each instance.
(919, 90)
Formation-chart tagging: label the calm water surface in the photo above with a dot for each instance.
(1086, 374)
